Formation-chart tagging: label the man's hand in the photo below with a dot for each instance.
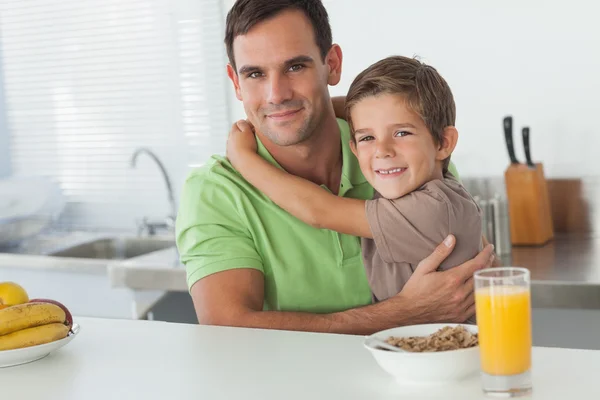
(496, 262)
(445, 296)
(241, 141)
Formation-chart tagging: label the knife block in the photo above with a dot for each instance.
(528, 205)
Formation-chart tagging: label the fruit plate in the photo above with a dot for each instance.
(9, 358)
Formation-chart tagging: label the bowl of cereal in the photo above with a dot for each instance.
(429, 353)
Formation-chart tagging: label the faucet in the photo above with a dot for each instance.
(169, 221)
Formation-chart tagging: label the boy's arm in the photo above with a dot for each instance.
(407, 228)
(300, 197)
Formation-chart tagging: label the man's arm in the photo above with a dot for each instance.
(301, 198)
(235, 298)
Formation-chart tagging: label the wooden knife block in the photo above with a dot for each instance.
(528, 205)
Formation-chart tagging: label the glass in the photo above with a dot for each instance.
(503, 310)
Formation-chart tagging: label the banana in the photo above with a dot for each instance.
(33, 336)
(29, 315)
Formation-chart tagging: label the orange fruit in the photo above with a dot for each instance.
(12, 293)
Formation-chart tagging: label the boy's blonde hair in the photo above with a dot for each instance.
(424, 89)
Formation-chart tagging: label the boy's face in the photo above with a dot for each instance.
(395, 150)
(282, 79)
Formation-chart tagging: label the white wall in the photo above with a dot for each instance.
(236, 110)
(76, 113)
(4, 140)
(537, 60)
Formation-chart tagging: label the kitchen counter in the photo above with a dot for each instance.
(35, 254)
(565, 272)
(32, 254)
(160, 270)
(83, 283)
(120, 359)
(568, 258)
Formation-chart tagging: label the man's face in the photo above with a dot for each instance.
(282, 79)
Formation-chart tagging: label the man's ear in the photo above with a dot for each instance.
(448, 143)
(235, 80)
(333, 59)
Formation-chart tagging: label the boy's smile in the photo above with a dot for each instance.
(396, 152)
(389, 173)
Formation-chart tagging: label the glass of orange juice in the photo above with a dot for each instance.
(503, 310)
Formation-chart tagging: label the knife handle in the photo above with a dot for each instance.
(526, 146)
(508, 136)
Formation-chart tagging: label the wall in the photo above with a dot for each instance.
(83, 125)
(538, 61)
(236, 110)
(4, 154)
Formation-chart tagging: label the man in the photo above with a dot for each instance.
(251, 264)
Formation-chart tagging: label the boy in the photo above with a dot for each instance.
(402, 114)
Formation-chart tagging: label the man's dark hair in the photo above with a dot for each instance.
(245, 14)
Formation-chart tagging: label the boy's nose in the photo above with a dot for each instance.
(384, 150)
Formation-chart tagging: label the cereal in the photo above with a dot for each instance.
(447, 338)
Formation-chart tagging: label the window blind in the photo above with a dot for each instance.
(88, 81)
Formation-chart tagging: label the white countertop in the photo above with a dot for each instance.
(32, 254)
(149, 271)
(159, 270)
(121, 359)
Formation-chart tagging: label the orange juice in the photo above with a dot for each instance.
(504, 322)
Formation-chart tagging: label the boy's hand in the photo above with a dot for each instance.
(241, 141)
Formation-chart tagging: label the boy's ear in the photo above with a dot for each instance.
(353, 147)
(448, 143)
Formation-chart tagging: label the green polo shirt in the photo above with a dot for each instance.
(225, 223)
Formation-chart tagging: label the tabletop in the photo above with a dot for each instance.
(125, 359)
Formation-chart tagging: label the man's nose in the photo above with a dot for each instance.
(279, 90)
(384, 149)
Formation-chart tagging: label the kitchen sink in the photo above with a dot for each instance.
(117, 248)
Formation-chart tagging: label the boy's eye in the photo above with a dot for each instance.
(254, 75)
(296, 67)
(402, 133)
(365, 138)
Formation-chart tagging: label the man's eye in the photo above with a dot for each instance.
(255, 74)
(402, 133)
(296, 68)
(365, 138)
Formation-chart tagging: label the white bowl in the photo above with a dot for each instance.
(10, 358)
(425, 368)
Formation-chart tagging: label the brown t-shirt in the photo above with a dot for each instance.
(407, 230)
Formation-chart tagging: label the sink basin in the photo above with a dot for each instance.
(115, 248)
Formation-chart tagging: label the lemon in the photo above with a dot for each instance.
(12, 293)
